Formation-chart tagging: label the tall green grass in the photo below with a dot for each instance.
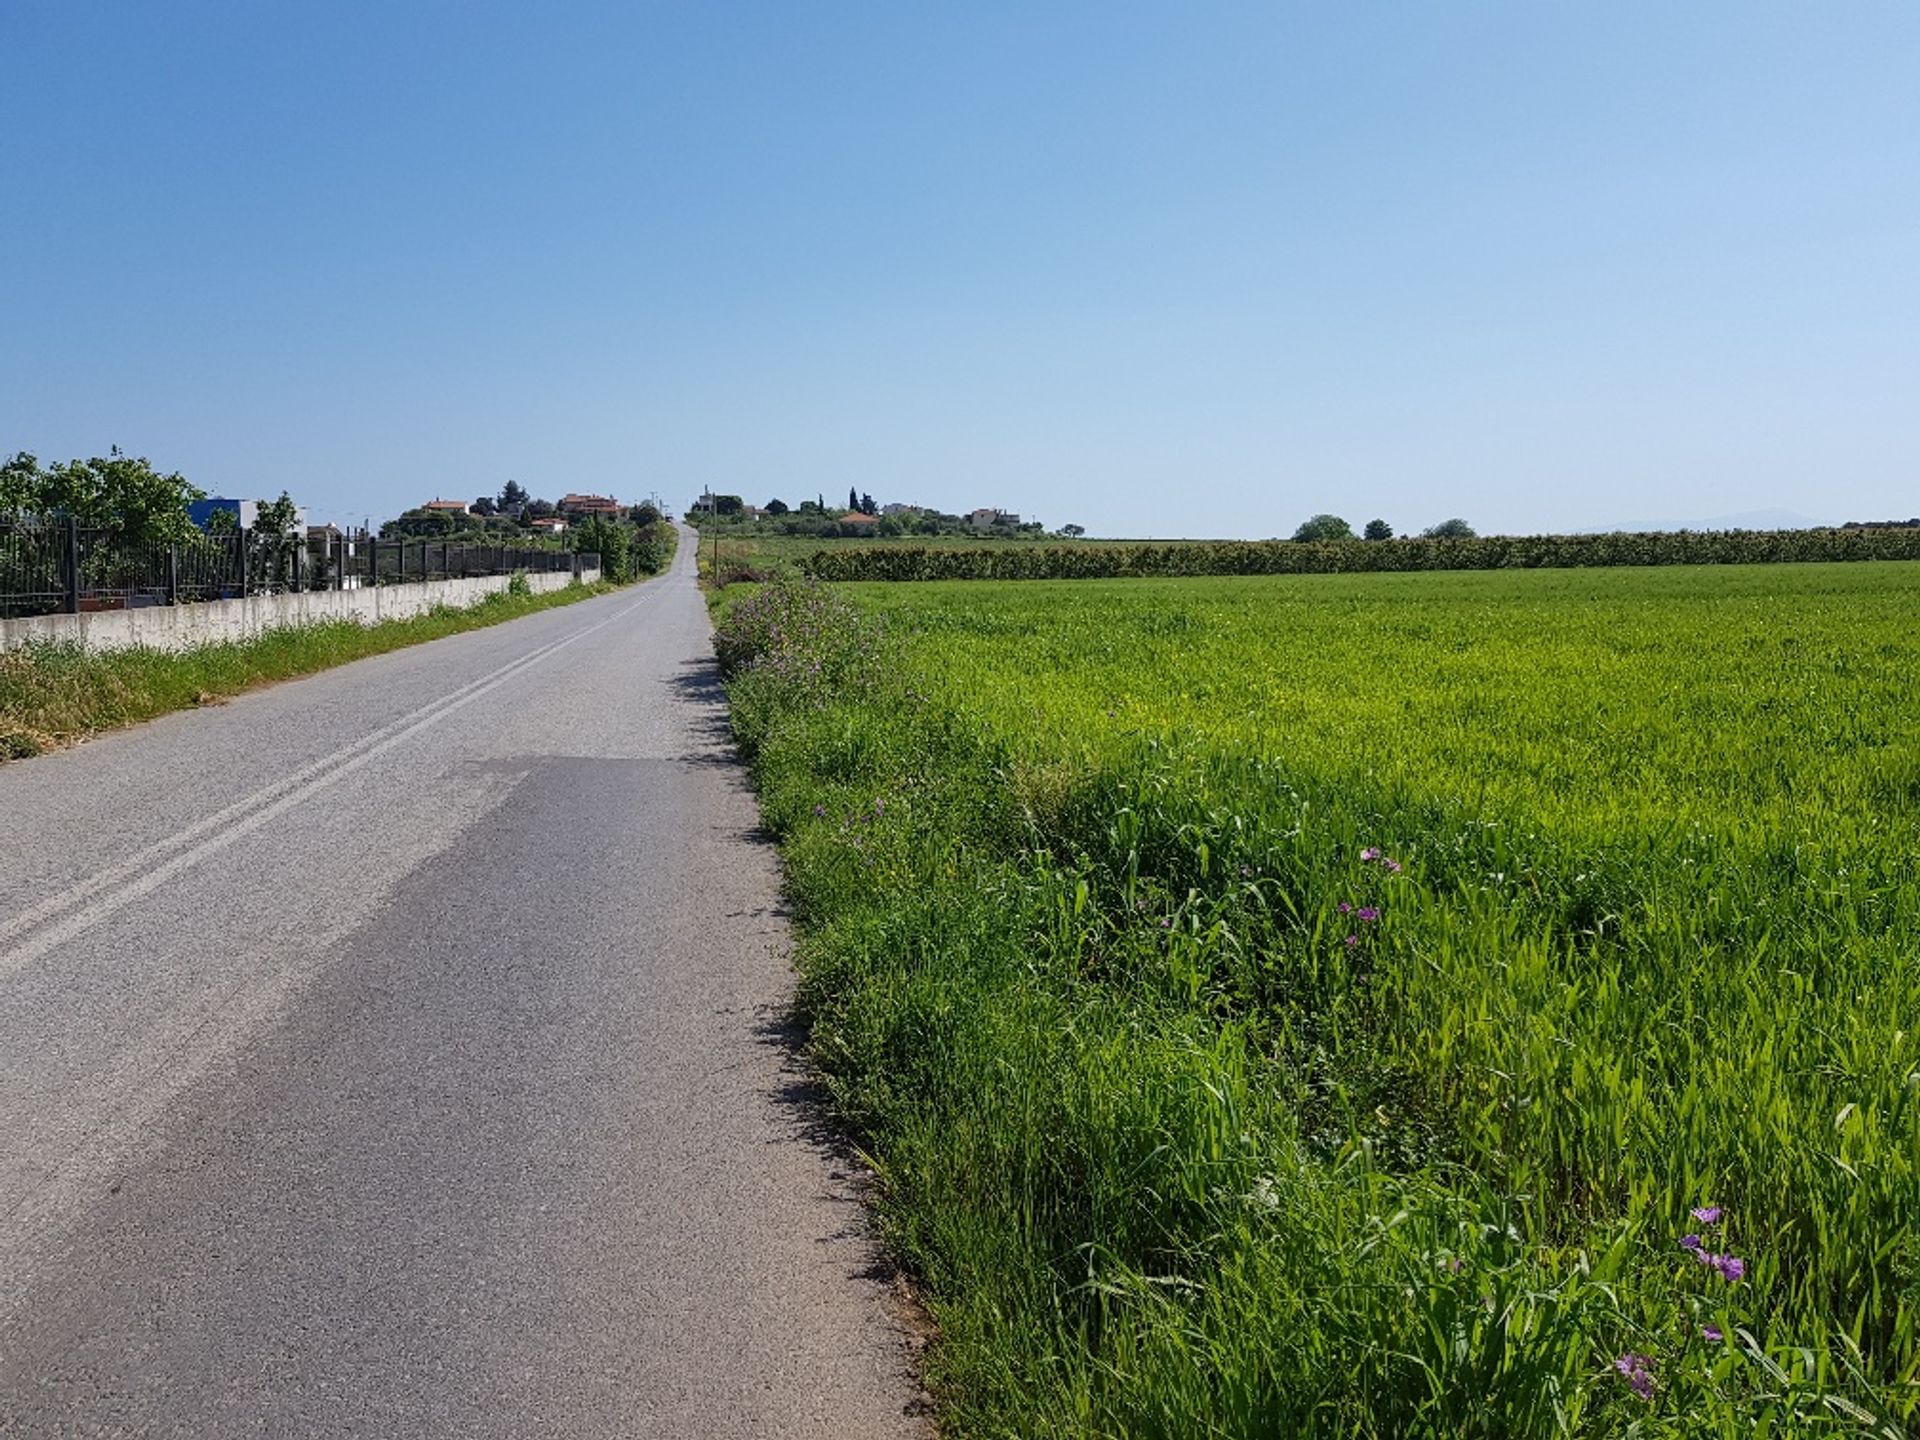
(1181, 1147)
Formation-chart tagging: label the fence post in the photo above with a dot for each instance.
(240, 546)
(73, 565)
(173, 574)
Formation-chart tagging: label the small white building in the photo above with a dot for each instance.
(987, 518)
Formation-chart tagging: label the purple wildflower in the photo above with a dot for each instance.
(1369, 853)
(1369, 912)
(1393, 866)
(1706, 1214)
(1712, 1334)
(819, 812)
(1731, 1267)
(1345, 908)
(879, 807)
(1637, 1370)
(1166, 922)
(1353, 939)
(1690, 1242)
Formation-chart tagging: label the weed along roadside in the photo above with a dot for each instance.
(54, 694)
(1375, 1004)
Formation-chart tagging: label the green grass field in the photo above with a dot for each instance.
(742, 547)
(1319, 1005)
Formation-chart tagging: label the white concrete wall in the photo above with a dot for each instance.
(181, 627)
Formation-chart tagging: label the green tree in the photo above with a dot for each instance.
(273, 542)
(611, 542)
(513, 497)
(776, 506)
(420, 525)
(276, 517)
(1378, 530)
(484, 506)
(537, 510)
(853, 499)
(728, 504)
(646, 513)
(115, 491)
(1455, 529)
(1324, 527)
(222, 522)
(20, 481)
(1073, 532)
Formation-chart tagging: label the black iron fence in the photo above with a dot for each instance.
(58, 566)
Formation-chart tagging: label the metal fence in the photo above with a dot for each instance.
(58, 566)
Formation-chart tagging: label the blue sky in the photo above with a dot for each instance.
(1155, 269)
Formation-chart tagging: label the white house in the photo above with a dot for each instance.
(986, 518)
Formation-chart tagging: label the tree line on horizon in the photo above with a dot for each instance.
(1332, 527)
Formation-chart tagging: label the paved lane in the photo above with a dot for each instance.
(397, 1053)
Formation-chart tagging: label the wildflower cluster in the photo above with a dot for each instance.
(1368, 914)
(1730, 1268)
(799, 629)
(1637, 1369)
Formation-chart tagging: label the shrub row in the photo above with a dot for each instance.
(1287, 557)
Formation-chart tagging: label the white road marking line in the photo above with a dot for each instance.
(242, 818)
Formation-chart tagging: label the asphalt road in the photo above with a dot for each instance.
(399, 1052)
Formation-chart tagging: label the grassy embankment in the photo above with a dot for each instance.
(1318, 1005)
(51, 695)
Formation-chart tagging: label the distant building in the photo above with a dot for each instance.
(987, 518)
(603, 505)
(854, 517)
(445, 507)
(896, 510)
(328, 533)
(244, 512)
(549, 525)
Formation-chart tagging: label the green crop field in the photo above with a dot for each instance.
(1441, 1004)
(760, 550)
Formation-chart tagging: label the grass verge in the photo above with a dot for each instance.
(54, 694)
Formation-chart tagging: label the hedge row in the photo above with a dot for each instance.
(1287, 557)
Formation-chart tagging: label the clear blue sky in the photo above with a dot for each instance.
(1157, 269)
